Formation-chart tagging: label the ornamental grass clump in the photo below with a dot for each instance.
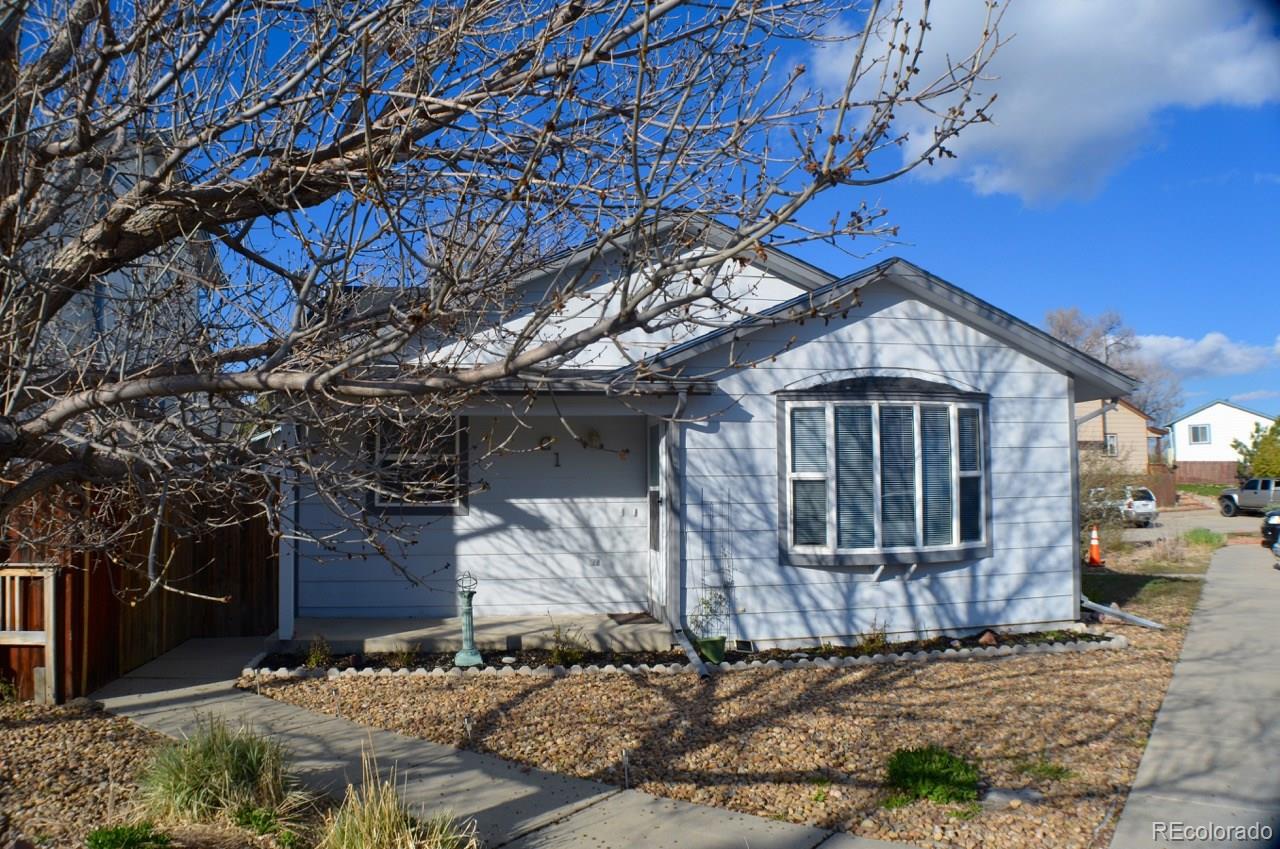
(373, 816)
(221, 775)
(931, 773)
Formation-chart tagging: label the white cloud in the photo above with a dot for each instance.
(1212, 355)
(1080, 83)
(1256, 395)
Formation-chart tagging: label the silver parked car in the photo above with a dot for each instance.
(1256, 496)
(1139, 506)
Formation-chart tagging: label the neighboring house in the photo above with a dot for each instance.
(1121, 430)
(908, 464)
(1200, 442)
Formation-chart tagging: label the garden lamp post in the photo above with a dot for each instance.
(467, 656)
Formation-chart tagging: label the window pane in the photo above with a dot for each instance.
(655, 446)
(809, 440)
(418, 462)
(897, 476)
(970, 453)
(809, 512)
(971, 509)
(935, 453)
(855, 479)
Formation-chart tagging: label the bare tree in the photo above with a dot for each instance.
(222, 218)
(1109, 339)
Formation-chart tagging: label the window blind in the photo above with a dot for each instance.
(855, 478)
(809, 508)
(897, 476)
(935, 460)
(809, 439)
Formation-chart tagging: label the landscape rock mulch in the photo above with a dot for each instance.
(65, 771)
(810, 745)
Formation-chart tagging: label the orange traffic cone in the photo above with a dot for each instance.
(1095, 549)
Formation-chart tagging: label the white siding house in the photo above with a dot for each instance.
(1206, 434)
(908, 464)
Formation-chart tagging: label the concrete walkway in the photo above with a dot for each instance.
(1214, 754)
(513, 805)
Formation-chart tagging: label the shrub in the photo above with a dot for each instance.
(8, 688)
(220, 774)
(931, 773)
(567, 645)
(875, 640)
(318, 654)
(1204, 536)
(142, 835)
(374, 817)
(402, 658)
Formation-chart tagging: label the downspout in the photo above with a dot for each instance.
(677, 627)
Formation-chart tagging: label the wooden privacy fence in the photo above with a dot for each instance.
(1206, 471)
(1161, 483)
(28, 626)
(95, 621)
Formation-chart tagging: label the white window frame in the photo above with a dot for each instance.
(381, 501)
(1111, 444)
(831, 548)
(1191, 434)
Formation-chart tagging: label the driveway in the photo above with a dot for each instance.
(1176, 524)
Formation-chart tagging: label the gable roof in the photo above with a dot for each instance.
(1224, 403)
(1094, 378)
(710, 231)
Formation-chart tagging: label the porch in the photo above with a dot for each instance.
(602, 631)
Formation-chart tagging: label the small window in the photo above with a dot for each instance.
(1199, 434)
(1266, 484)
(421, 465)
(1112, 445)
(883, 480)
(1252, 485)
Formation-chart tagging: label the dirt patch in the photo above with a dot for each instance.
(810, 745)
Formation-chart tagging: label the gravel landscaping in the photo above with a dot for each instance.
(65, 771)
(1056, 737)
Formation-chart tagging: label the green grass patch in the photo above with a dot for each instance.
(373, 816)
(141, 835)
(220, 774)
(1044, 769)
(932, 773)
(1205, 537)
(1209, 489)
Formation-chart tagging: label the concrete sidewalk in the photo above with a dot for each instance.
(513, 805)
(1214, 754)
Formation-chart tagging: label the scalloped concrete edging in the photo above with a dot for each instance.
(1115, 642)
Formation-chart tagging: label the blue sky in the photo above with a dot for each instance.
(1138, 177)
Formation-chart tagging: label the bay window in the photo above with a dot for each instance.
(883, 478)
